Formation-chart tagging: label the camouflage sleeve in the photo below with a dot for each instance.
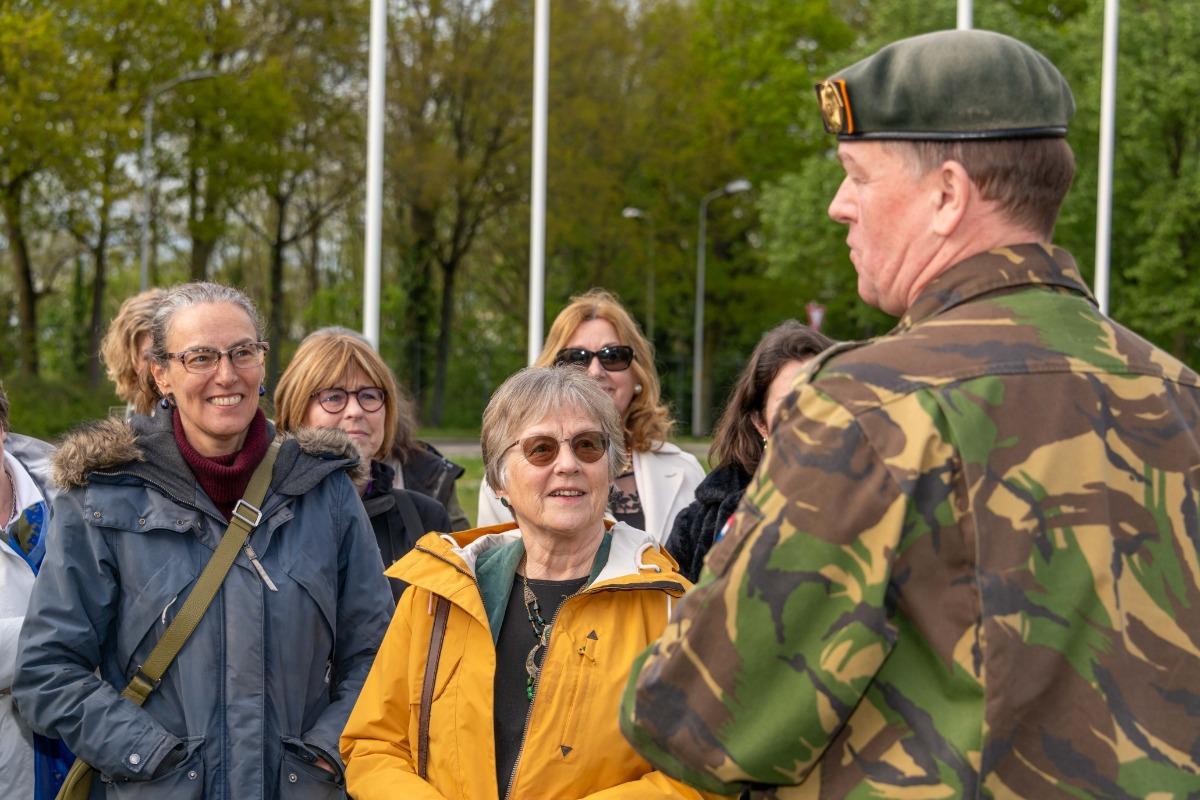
(771, 652)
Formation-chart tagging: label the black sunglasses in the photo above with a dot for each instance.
(614, 357)
(588, 446)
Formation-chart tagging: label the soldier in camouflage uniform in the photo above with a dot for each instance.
(967, 566)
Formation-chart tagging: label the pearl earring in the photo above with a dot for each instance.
(637, 388)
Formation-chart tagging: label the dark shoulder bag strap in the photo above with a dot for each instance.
(414, 529)
(436, 637)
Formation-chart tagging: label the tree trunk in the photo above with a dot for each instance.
(96, 328)
(26, 296)
(202, 250)
(420, 301)
(449, 271)
(79, 332)
(275, 315)
(100, 277)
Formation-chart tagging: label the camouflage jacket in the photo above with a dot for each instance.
(967, 566)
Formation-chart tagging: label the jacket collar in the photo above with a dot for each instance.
(454, 566)
(996, 270)
(144, 448)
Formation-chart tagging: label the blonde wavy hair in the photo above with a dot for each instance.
(322, 359)
(119, 352)
(647, 421)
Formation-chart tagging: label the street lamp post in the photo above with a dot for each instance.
(148, 179)
(632, 212)
(733, 187)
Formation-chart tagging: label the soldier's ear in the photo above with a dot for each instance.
(953, 193)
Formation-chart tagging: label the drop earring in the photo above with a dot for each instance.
(164, 403)
(261, 390)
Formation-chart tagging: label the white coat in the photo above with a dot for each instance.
(666, 479)
(16, 584)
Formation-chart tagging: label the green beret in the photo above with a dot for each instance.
(958, 84)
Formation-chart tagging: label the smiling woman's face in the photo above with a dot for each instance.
(565, 498)
(215, 408)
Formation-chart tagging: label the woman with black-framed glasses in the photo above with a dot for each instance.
(253, 703)
(337, 380)
(509, 651)
(596, 334)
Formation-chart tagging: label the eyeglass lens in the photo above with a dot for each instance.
(588, 447)
(370, 398)
(614, 358)
(206, 360)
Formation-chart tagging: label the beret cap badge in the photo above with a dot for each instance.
(835, 106)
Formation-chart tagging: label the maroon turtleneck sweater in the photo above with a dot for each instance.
(225, 478)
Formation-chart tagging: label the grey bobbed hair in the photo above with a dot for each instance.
(535, 393)
(186, 295)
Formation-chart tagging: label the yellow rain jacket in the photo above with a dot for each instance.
(573, 746)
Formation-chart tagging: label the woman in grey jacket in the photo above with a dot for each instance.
(253, 704)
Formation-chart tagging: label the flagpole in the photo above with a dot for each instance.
(374, 204)
(537, 202)
(1108, 104)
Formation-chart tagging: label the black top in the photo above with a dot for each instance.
(692, 535)
(399, 518)
(511, 709)
(627, 506)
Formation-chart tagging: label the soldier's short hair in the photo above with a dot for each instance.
(1026, 178)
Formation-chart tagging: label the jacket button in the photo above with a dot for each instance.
(135, 759)
(292, 777)
(141, 521)
(192, 774)
(96, 514)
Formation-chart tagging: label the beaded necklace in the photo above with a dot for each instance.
(541, 632)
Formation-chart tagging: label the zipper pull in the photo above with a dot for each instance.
(258, 567)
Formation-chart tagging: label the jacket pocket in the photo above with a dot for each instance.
(184, 782)
(150, 609)
(582, 665)
(301, 779)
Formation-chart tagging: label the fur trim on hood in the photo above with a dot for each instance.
(93, 445)
(108, 443)
(325, 442)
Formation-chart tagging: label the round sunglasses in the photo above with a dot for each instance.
(613, 357)
(541, 450)
(370, 398)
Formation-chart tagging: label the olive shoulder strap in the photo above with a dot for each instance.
(246, 516)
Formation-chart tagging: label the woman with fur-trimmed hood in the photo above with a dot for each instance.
(253, 704)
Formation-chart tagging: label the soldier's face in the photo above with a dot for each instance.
(888, 210)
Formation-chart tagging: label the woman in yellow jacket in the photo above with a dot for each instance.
(502, 671)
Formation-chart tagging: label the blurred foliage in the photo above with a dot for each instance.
(653, 103)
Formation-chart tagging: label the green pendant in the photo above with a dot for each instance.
(529, 688)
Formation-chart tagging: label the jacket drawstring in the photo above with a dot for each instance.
(167, 608)
(642, 565)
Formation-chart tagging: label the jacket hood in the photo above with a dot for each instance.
(145, 447)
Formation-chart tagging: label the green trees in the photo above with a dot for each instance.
(652, 104)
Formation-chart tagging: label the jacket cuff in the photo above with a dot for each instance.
(144, 757)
